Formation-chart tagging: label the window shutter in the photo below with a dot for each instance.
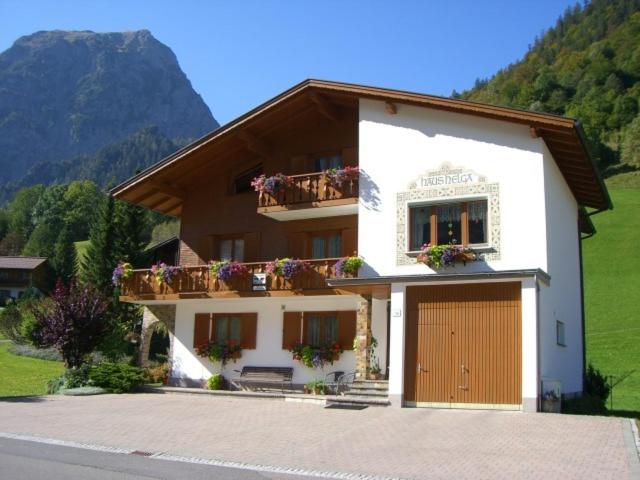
(252, 247)
(346, 328)
(201, 329)
(350, 156)
(249, 330)
(291, 323)
(298, 244)
(349, 242)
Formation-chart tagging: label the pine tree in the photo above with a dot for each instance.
(131, 232)
(64, 256)
(100, 260)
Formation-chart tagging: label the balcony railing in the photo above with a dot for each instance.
(199, 282)
(312, 188)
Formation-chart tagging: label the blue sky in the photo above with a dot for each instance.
(238, 54)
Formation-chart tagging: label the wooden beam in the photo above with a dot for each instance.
(149, 193)
(534, 132)
(160, 202)
(170, 190)
(391, 108)
(255, 144)
(325, 107)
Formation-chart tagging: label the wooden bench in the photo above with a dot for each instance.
(266, 375)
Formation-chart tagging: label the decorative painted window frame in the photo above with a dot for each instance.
(454, 192)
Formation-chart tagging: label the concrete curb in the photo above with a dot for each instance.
(632, 444)
(195, 460)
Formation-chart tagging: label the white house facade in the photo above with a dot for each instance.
(499, 325)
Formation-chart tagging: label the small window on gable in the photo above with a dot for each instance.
(560, 334)
(462, 223)
(242, 182)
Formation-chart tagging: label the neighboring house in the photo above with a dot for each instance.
(165, 251)
(513, 185)
(18, 274)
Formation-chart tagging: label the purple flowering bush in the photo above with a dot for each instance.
(123, 271)
(164, 273)
(338, 176)
(227, 270)
(287, 267)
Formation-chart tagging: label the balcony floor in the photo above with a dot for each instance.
(321, 209)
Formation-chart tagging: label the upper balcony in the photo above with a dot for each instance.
(254, 281)
(312, 195)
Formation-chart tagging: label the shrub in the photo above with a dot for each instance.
(10, 320)
(71, 378)
(215, 382)
(156, 373)
(83, 391)
(317, 387)
(31, 351)
(116, 377)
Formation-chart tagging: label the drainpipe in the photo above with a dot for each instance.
(582, 314)
(538, 343)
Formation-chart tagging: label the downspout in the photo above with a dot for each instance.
(582, 314)
(538, 353)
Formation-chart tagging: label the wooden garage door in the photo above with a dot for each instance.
(463, 344)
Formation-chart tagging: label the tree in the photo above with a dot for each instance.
(64, 259)
(74, 321)
(631, 144)
(100, 260)
(12, 244)
(20, 210)
(132, 233)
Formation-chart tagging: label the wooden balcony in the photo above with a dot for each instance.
(310, 196)
(198, 282)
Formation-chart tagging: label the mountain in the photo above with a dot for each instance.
(588, 67)
(65, 95)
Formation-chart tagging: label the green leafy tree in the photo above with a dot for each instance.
(21, 208)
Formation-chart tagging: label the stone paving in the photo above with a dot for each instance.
(405, 443)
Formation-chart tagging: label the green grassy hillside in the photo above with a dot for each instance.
(612, 292)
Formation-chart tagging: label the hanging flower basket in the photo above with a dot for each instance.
(123, 271)
(220, 352)
(227, 271)
(348, 266)
(338, 176)
(164, 273)
(438, 256)
(272, 185)
(287, 267)
(316, 357)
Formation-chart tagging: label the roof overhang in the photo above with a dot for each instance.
(163, 187)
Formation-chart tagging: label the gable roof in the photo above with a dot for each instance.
(21, 263)
(158, 187)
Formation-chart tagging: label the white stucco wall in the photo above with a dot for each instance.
(396, 149)
(562, 300)
(268, 352)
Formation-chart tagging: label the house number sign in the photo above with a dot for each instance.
(259, 282)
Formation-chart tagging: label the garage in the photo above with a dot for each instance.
(463, 346)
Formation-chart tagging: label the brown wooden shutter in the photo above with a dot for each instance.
(249, 330)
(349, 242)
(350, 156)
(298, 244)
(291, 329)
(346, 328)
(201, 329)
(252, 247)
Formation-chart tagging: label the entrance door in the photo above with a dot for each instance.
(463, 345)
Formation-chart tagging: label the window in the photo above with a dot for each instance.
(321, 329)
(326, 245)
(325, 162)
(4, 275)
(560, 340)
(231, 249)
(228, 328)
(242, 182)
(460, 223)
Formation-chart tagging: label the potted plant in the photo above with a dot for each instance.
(551, 402)
(227, 270)
(348, 266)
(316, 357)
(272, 185)
(287, 267)
(222, 352)
(338, 176)
(438, 256)
(163, 273)
(375, 373)
(315, 387)
(123, 271)
(216, 382)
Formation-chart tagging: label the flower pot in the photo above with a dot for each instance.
(375, 376)
(551, 406)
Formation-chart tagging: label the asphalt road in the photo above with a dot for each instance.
(23, 460)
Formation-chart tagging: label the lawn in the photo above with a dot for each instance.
(24, 375)
(612, 293)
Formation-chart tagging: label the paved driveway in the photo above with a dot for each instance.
(408, 443)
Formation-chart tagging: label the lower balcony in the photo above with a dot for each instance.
(200, 282)
(311, 195)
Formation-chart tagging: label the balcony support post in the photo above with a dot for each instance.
(363, 337)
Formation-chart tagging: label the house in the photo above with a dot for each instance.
(18, 274)
(498, 328)
(165, 251)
